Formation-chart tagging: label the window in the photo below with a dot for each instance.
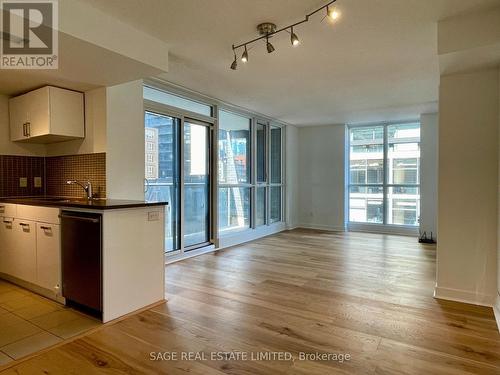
(384, 174)
(247, 188)
(234, 171)
(269, 174)
(275, 155)
(261, 153)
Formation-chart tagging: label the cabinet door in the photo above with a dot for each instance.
(66, 113)
(18, 115)
(38, 105)
(6, 244)
(24, 251)
(48, 256)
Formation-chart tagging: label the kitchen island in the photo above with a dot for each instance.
(105, 257)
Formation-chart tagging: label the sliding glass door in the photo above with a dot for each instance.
(196, 183)
(162, 171)
(178, 171)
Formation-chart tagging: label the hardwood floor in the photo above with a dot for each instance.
(366, 295)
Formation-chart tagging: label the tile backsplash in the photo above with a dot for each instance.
(60, 169)
(54, 172)
(13, 168)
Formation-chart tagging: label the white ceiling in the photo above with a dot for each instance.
(379, 62)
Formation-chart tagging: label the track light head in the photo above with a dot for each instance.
(332, 13)
(244, 57)
(234, 65)
(294, 39)
(269, 46)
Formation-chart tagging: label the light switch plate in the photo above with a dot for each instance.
(23, 182)
(153, 216)
(37, 182)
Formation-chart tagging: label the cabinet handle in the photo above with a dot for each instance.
(28, 129)
(46, 228)
(24, 130)
(24, 225)
(7, 222)
(81, 218)
(2, 209)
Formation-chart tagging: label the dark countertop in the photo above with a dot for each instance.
(94, 204)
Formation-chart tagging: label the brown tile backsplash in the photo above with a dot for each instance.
(13, 168)
(90, 167)
(54, 172)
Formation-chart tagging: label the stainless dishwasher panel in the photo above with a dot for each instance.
(81, 252)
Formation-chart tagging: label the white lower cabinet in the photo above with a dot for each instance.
(48, 256)
(6, 244)
(24, 251)
(30, 245)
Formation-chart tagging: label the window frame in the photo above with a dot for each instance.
(385, 226)
(217, 105)
(247, 185)
(266, 184)
(211, 123)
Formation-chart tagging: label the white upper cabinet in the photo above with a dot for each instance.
(47, 115)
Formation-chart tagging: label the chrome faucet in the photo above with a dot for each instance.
(87, 186)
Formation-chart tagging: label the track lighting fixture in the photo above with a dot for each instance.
(268, 29)
(294, 38)
(244, 57)
(234, 65)
(269, 46)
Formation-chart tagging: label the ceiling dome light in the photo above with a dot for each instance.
(269, 46)
(332, 13)
(294, 38)
(244, 57)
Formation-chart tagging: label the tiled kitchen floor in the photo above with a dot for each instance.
(29, 322)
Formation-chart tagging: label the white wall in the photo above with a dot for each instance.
(10, 148)
(125, 141)
(321, 177)
(468, 184)
(428, 173)
(292, 177)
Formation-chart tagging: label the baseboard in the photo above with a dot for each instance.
(397, 230)
(331, 228)
(464, 296)
(496, 311)
(34, 288)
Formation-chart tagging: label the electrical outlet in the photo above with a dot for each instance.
(23, 182)
(153, 216)
(37, 182)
